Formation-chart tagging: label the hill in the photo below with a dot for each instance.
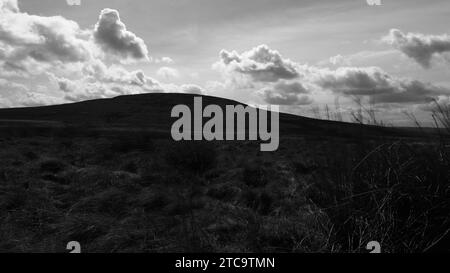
(107, 174)
(152, 112)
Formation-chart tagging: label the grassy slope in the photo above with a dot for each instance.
(153, 111)
(330, 187)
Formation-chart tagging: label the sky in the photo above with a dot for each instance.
(391, 60)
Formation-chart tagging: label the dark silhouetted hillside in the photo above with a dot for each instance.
(152, 112)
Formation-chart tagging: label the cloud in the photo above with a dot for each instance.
(375, 83)
(286, 93)
(74, 59)
(29, 99)
(184, 88)
(167, 73)
(192, 89)
(5, 103)
(78, 90)
(353, 80)
(420, 47)
(339, 60)
(32, 99)
(31, 42)
(261, 64)
(98, 71)
(27, 40)
(440, 105)
(264, 72)
(164, 60)
(7, 85)
(112, 34)
(9, 5)
(361, 57)
(16, 94)
(309, 81)
(100, 81)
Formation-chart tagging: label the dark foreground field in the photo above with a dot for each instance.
(107, 174)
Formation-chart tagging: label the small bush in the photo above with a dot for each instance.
(51, 165)
(112, 202)
(260, 202)
(84, 228)
(255, 175)
(151, 201)
(397, 194)
(304, 167)
(30, 155)
(131, 167)
(14, 199)
(196, 157)
(139, 141)
(223, 192)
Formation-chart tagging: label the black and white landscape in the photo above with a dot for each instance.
(87, 154)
